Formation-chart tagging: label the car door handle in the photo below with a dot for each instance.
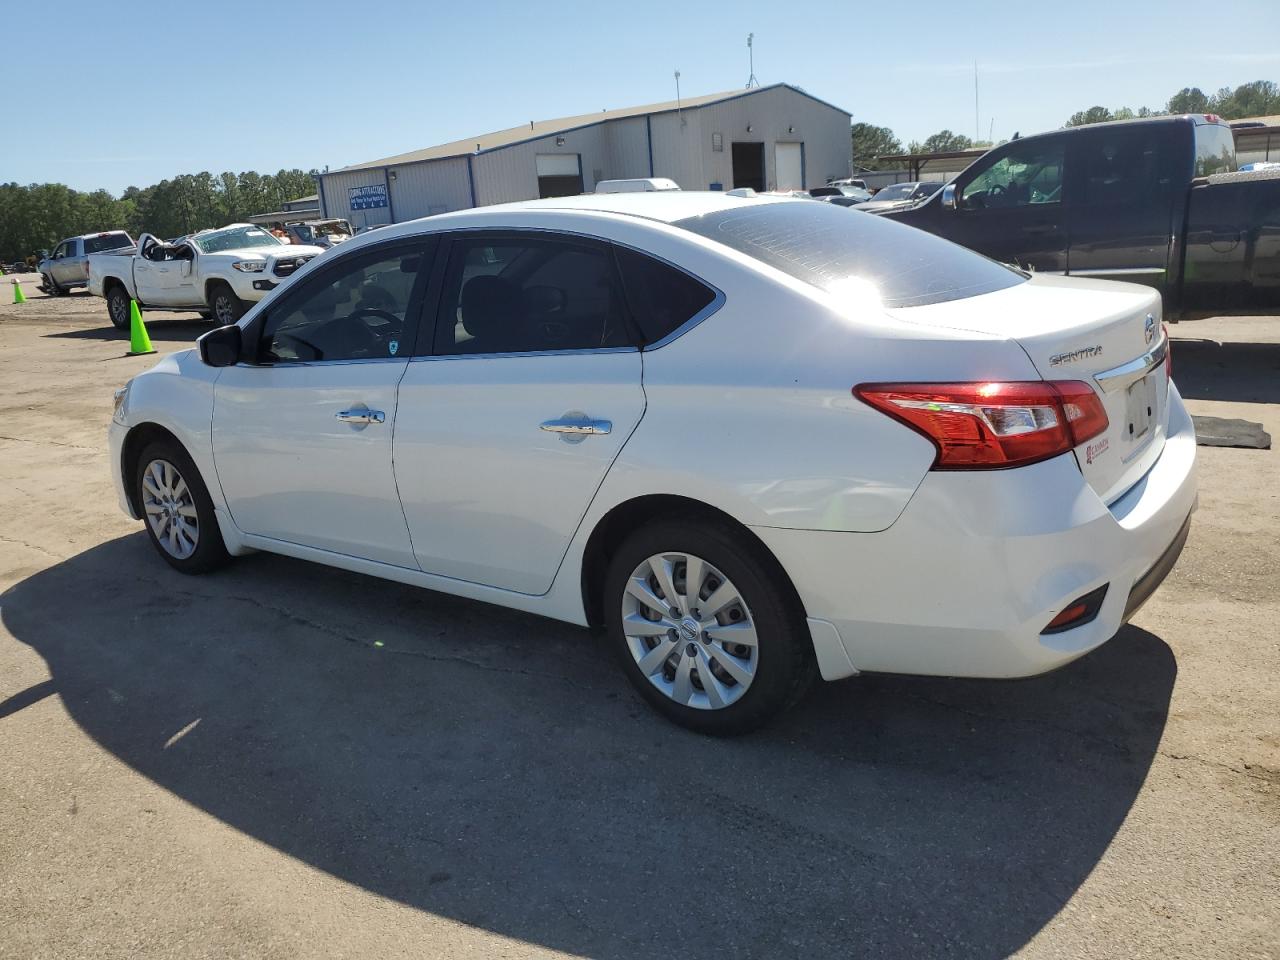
(577, 428)
(361, 416)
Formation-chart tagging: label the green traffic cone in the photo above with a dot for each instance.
(139, 342)
(17, 293)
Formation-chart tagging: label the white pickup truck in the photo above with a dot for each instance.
(215, 272)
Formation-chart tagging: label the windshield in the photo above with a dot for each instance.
(858, 192)
(839, 251)
(926, 190)
(895, 191)
(234, 238)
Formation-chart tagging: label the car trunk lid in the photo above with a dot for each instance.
(1100, 332)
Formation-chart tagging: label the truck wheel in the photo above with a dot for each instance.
(51, 286)
(118, 307)
(226, 306)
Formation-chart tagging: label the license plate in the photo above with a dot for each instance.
(1140, 407)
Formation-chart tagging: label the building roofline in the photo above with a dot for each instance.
(659, 109)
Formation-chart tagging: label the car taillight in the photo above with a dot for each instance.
(990, 426)
(1168, 353)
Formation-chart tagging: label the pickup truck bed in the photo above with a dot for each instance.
(1232, 253)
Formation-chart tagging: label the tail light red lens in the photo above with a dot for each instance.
(991, 426)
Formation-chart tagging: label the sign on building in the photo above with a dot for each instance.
(368, 198)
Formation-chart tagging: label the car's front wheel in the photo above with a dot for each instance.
(51, 286)
(706, 625)
(177, 509)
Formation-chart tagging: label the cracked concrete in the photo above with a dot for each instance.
(282, 760)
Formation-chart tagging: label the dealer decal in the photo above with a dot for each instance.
(1095, 450)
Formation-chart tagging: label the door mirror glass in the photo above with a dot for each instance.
(221, 347)
(949, 196)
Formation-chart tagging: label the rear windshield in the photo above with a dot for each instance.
(1215, 149)
(837, 248)
(112, 241)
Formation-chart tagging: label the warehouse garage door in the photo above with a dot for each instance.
(788, 165)
(559, 174)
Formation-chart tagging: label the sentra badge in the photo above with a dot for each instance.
(1071, 356)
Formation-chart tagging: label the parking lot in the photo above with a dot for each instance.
(285, 760)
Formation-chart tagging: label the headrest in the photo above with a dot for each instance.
(489, 304)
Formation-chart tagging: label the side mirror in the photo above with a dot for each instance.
(949, 196)
(221, 347)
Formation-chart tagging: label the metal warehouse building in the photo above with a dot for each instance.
(769, 138)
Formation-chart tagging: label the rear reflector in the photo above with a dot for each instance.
(1078, 612)
(991, 426)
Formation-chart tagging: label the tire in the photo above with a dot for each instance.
(118, 307)
(224, 305)
(51, 286)
(174, 499)
(206, 314)
(761, 680)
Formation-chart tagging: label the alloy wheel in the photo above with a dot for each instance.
(222, 309)
(167, 503)
(690, 631)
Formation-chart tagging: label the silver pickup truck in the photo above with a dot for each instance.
(68, 266)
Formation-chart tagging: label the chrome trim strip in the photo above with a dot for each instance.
(1117, 378)
(1119, 272)
(525, 353)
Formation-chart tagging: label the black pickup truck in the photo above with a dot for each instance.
(1155, 201)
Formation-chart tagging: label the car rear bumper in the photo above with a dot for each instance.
(966, 580)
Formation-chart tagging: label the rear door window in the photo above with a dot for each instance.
(1128, 167)
(837, 249)
(662, 299)
(514, 294)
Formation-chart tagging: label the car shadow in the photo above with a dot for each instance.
(1242, 372)
(160, 329)
(494, 768)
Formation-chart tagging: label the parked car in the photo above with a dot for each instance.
(756, 438)
(319, 233)
(849, 182)
(216, 272)
(899, 196)
(637, 185)
(841, 196)
(67, 267)
(1153, 201)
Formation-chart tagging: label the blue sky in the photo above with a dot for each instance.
(346, 82)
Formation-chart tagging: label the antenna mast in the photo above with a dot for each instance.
(977, 124)
(751, 61)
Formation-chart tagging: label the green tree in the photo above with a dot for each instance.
(944, 141)
(1092, 115)
(870, 143)
(1188, 100)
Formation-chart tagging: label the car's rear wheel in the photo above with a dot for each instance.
(707, 626)
(118, 307)
(225, 305)
(177, 509)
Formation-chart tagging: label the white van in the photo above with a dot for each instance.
(642, 185)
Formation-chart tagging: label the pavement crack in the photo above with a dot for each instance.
(1217, 765)
(30, 546)
(55, 443)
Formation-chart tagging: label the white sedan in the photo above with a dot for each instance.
(755, 438)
